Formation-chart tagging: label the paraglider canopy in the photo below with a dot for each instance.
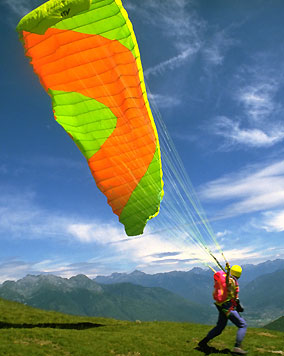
(86, 56)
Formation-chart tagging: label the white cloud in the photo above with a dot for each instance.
(171, 63)
(251, 137)
(273, 221)
(224, 233)
(177, 19)
(98, 233)
(258, 99)
(259, 120)
(184, 30)
(215, 47)
(254, 189)
(258, 203)
(112, 249)
(243, 255)
(22, 218)
(13, 269)
(148, 249)
(164, 101)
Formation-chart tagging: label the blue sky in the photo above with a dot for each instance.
(215, 71)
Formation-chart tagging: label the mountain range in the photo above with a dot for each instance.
(261, 287)
(175, 296)
(82, 296)
(250, 272)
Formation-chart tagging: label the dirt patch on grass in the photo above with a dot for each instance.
(130, 353)
(22, 342)
(266, 334)
(31, 341)
(276, 352)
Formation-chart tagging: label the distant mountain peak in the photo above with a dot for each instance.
(197, 270)
(82, 281)
(137, 273)
(80, 277)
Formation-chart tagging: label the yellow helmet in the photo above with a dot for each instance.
(236, 271)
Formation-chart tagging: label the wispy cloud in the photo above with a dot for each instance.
(163, 101)
(221, 234)
(259, 82)
(236, 134)
(255, 94)
(258, 99)
(186, 31)
(96, 232)
(254, 189)
(16, 268)
(171, 63)
(13, 269)
(21, 217)
(185, 34)
(177, 20)
(243, 254)
(273, 221)
(215, 47)
(165, 254)
(106, 246)
(246, 255)
(261, 124)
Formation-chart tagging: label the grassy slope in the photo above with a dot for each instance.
(116, 338)
(276, 324)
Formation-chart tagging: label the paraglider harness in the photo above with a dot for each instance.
(221, 295)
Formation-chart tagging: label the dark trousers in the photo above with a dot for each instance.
(236, 319)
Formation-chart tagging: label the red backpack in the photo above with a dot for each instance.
(220, 292)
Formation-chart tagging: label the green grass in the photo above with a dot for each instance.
(22, 335)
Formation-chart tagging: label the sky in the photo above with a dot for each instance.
(215, 73)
